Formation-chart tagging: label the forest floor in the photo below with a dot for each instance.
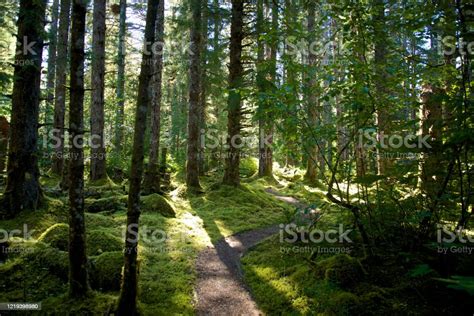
(220, 288)
(190, 251)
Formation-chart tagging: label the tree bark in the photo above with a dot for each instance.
(151, 183)
(312, 163)
(4, 131)
(52, 47)
(23, 189)
(234, 110)
(60, 88)
(78, 283)
(383, 113)
(127, 304)
(98, 161)
(204, 86)
(265, 122)
(192, 164)
(120, 90)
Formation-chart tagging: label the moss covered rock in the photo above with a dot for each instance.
(343, 303)
(157, 204)
(52, 259)
(108, 204)
(342, 270)
(99, 242)
(57, 236)
(106, 271)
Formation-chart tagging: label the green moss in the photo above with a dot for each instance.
(248, 167)
(93, 304)
(157, 204)
(341, 269)
(99, 242)
(57, 236)
(51, 259)
(107, 204)
(343, 303)
(106, 271)
(104, 183)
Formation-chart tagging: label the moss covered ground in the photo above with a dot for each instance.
(173, 229)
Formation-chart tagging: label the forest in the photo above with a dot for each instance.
(236, 157)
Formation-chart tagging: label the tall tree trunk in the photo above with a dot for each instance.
(127, 304)
(265, 122)
(78, 283)
(98, 161)
(120, 90)
(23, 189)
(383, 114)
(52, 37)
(4, 131)
(234, 110)
(204, 84)
(60, 88)
(192, 164)
(311, 168)
(151, 183)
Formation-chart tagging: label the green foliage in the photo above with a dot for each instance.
(458, 282)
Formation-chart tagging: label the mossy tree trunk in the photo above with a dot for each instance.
(151, 183)
(192, 163)
(98, 161)
(60, 88)
(234, 109)
(52, 50)
(23, 189)
(120, 89)
(127, 304)
(78, 282)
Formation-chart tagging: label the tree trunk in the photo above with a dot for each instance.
(120, 90)
(383, 114)
(78, 283)
(4, 130)
(52, 46)
(23, 189)
(127, 304)
(234, 110)
(192, 164)
(311, 168)
(204, 84)
(265, 122)
(60, 89)
(151, 183)
(98, 161)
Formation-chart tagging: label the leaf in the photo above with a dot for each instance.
(420, 270)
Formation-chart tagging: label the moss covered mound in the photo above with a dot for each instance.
(106, 271)
(57, 236)
(99, 242)
(157, 204)
(343, 303)
(107, 204)
(51, 259)
(342, 270)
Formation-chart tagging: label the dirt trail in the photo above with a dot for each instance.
(220, 288)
